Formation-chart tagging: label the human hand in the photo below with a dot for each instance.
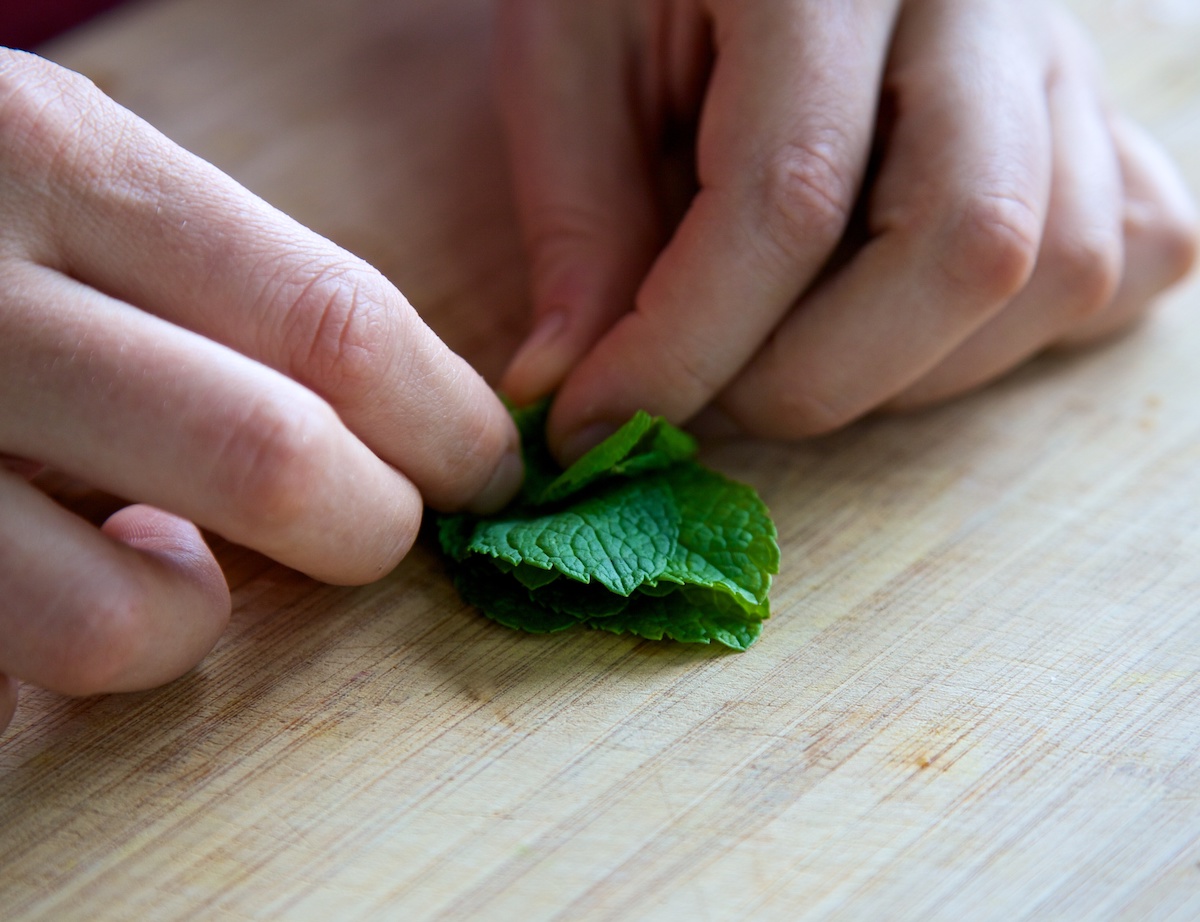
(896, 202)
(170, 338)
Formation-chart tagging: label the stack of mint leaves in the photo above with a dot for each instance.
(635, 537)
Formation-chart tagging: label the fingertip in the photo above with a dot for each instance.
(596, 399)
(204, 602)
(152, 529)
(583, 284)
(1162, 225)
(89, 612)
(176, 542)
(505, 481)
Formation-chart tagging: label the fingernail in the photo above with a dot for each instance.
(506, 480)
(579, 443)
(537, 367)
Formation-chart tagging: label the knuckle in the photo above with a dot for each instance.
(269, 466)
(32, 124)
(992, 246)
(804, 412)
(808, 194)
(561, 224)
(563, 237)
(24, 81)
(65, 142)
(339, 326)
(690, 367)
(16, 69)
(691, 362)
(794, 408)
(43, 104)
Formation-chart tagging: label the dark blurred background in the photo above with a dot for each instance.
(27, 23)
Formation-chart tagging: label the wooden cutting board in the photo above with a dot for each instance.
(978, 695)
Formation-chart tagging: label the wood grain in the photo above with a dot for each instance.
(978, 696)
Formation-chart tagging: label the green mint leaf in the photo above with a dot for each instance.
(726, 537)
(454, 534)
(688, 615)
(635, 537)
(540, 467)
(582, 601)
(505, 600)
(532, 577)
(621, 536)
(643, 444)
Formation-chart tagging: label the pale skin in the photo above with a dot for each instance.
(1009, 209)
(172, 339)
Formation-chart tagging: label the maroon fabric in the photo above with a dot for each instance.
(27, 23)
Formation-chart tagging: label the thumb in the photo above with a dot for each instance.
(581, 174)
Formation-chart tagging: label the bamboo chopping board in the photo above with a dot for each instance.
(979, 692)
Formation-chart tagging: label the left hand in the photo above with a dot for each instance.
(898, 200)
(170, 338)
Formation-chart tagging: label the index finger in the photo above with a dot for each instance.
(784, 139)
(143, 220)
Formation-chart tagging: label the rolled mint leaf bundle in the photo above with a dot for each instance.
(635, 537)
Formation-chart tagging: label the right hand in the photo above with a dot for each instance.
(894, 202)
(168, 337)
